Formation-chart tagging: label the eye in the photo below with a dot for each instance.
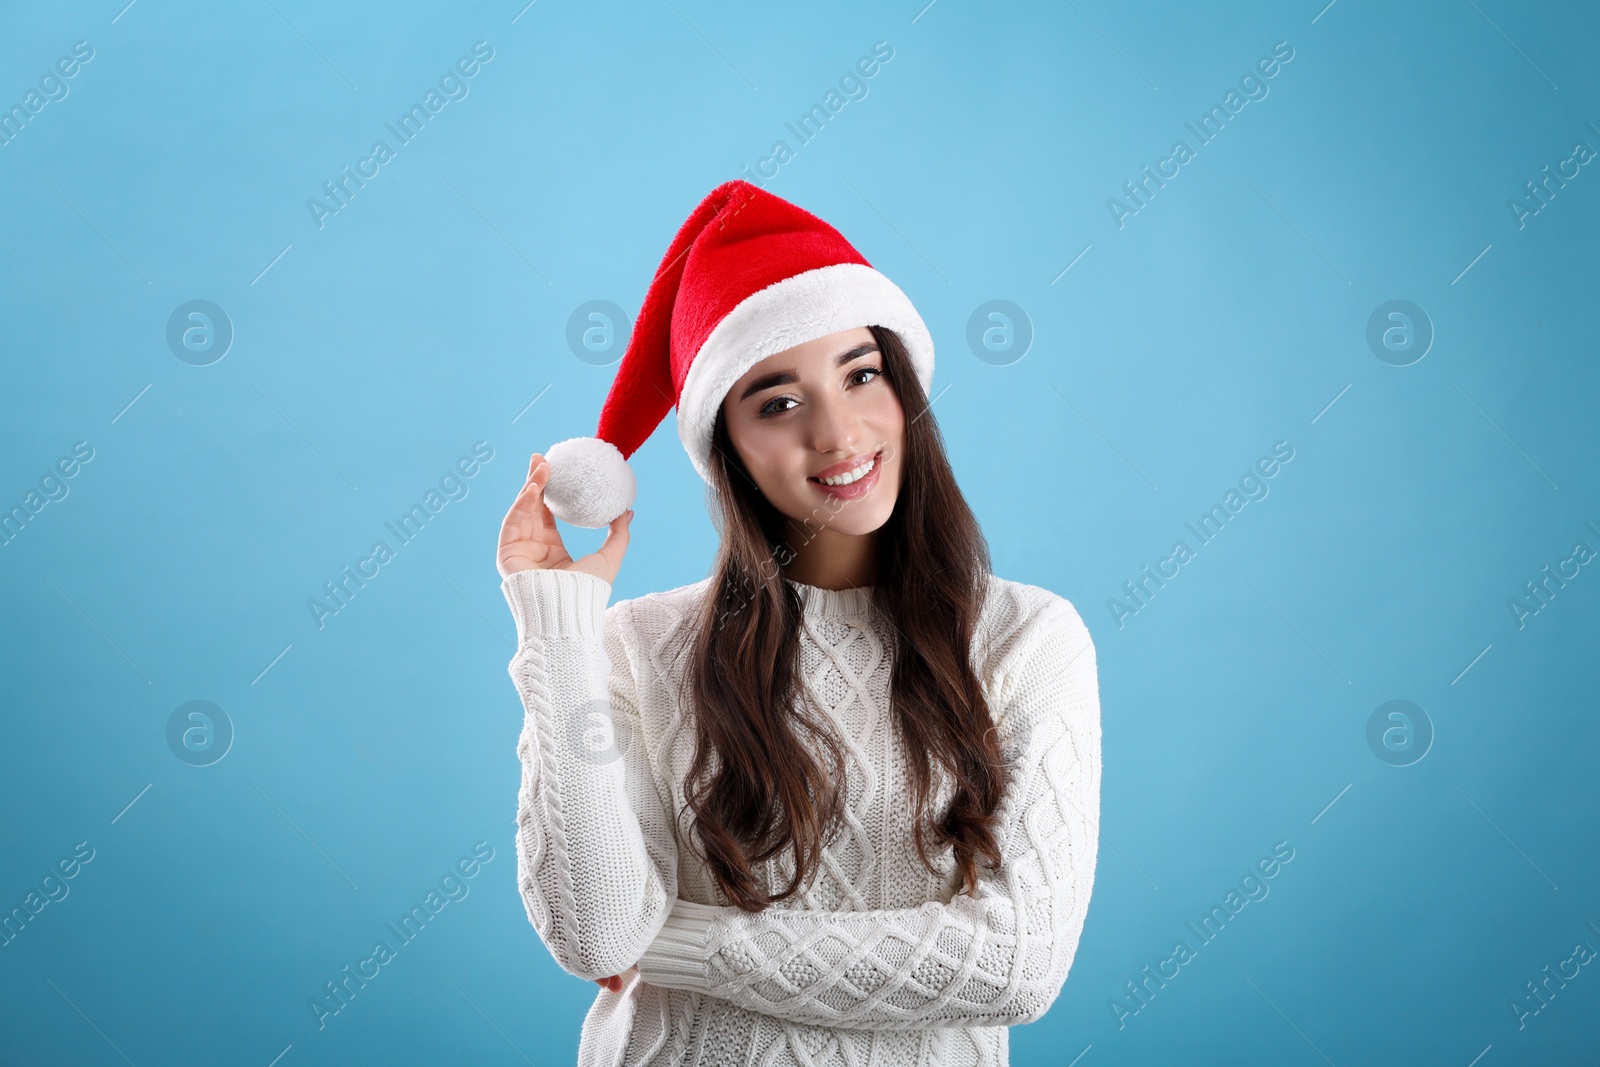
(767, 411)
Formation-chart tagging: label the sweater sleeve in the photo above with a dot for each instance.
(595, 864)
(996, 958)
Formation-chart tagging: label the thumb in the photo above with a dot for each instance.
(619, 535)
(616, 543)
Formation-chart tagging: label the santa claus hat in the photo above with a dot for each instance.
(747, 276)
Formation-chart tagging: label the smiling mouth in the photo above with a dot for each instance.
(853, 476)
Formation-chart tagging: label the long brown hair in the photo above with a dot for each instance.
(753, 788)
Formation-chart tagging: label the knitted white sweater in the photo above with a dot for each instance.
(878, 962)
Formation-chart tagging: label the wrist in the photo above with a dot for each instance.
(549, 603)
(679, 955)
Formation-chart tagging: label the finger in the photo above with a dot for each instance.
(522, 517)
(539, 479)
(529, 529)
(616, 542)
(529, 508)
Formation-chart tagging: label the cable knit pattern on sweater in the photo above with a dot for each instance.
(879, 961)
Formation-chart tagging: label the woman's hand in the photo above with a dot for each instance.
(529, 539)
(617, 981)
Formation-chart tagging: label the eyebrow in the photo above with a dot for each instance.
(785, 377)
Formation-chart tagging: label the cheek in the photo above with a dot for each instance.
(771, 455)
(889, 419)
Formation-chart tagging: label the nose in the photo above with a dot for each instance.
(834, 427)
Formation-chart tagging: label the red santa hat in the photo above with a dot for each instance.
(747, 276)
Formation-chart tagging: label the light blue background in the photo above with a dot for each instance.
(1229, 314)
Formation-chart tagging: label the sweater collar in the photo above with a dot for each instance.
(821, 603)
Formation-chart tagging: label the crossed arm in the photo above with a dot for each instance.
(997, 957)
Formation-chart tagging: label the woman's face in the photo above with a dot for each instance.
(823, 408)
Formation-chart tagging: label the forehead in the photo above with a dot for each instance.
(817, 354)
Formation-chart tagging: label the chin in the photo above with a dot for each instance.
(853, 519)
(860, 525)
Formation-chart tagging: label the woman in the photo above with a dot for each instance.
(839, 801)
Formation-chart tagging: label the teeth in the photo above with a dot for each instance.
(852, 476)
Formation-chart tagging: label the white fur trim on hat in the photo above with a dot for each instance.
(590, 481)
(798, 309)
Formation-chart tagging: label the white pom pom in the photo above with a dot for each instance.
(590, 482)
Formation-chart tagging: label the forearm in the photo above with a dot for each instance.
(999, 958)
(958, 964)
(587, 879)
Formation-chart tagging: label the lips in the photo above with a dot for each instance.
(858, 489)
(854, 463)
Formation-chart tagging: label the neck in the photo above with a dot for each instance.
(832, 560)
